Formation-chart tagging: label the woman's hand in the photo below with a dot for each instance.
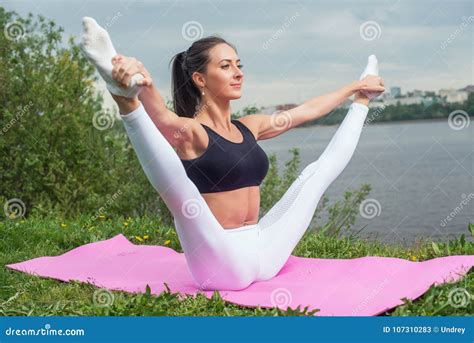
(372, 83)
(125, 67)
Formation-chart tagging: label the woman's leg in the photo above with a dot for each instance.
(216, 258)
(282, 227)
(285, 223)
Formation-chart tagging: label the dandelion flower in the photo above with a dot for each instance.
(167, 242)
(146, 237)
(63, 225)
(138, 238)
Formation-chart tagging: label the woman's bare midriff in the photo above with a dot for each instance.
(234, 208)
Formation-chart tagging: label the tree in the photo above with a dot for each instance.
(62, 153)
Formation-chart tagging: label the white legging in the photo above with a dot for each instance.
(232, 259)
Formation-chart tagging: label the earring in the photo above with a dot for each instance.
(203, 93)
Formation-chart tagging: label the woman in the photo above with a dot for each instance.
(215, 200)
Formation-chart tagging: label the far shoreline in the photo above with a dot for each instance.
(381, 122)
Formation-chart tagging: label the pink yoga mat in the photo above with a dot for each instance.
(363, 286)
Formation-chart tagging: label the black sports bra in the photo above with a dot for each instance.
(226, 165)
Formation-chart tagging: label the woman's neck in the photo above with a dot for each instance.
(216, 113)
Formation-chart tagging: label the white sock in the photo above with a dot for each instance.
(372, 68)
(99, 50)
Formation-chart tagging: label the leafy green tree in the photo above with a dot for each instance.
(62, 153)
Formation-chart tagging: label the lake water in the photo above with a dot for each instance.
(421, 174)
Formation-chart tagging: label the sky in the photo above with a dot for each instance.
(292, 51)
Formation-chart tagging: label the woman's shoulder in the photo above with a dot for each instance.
(251, 123)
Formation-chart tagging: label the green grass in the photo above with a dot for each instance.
(23, 294)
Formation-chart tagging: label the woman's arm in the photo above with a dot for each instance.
(154, 104)
(319, 106)
(177, 130)
(269, 126)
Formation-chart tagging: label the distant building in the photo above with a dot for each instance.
(453, 95)
(404, 101)
(395, 91)
(430, 94)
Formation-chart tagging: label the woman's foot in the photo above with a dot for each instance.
(363, 96)
(99, 50)
(372, 68)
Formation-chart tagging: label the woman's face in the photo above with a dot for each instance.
(223, 72)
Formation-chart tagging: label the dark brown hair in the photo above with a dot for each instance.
(186, 95)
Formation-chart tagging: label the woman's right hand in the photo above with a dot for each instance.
(125, 67)
(372, 83)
